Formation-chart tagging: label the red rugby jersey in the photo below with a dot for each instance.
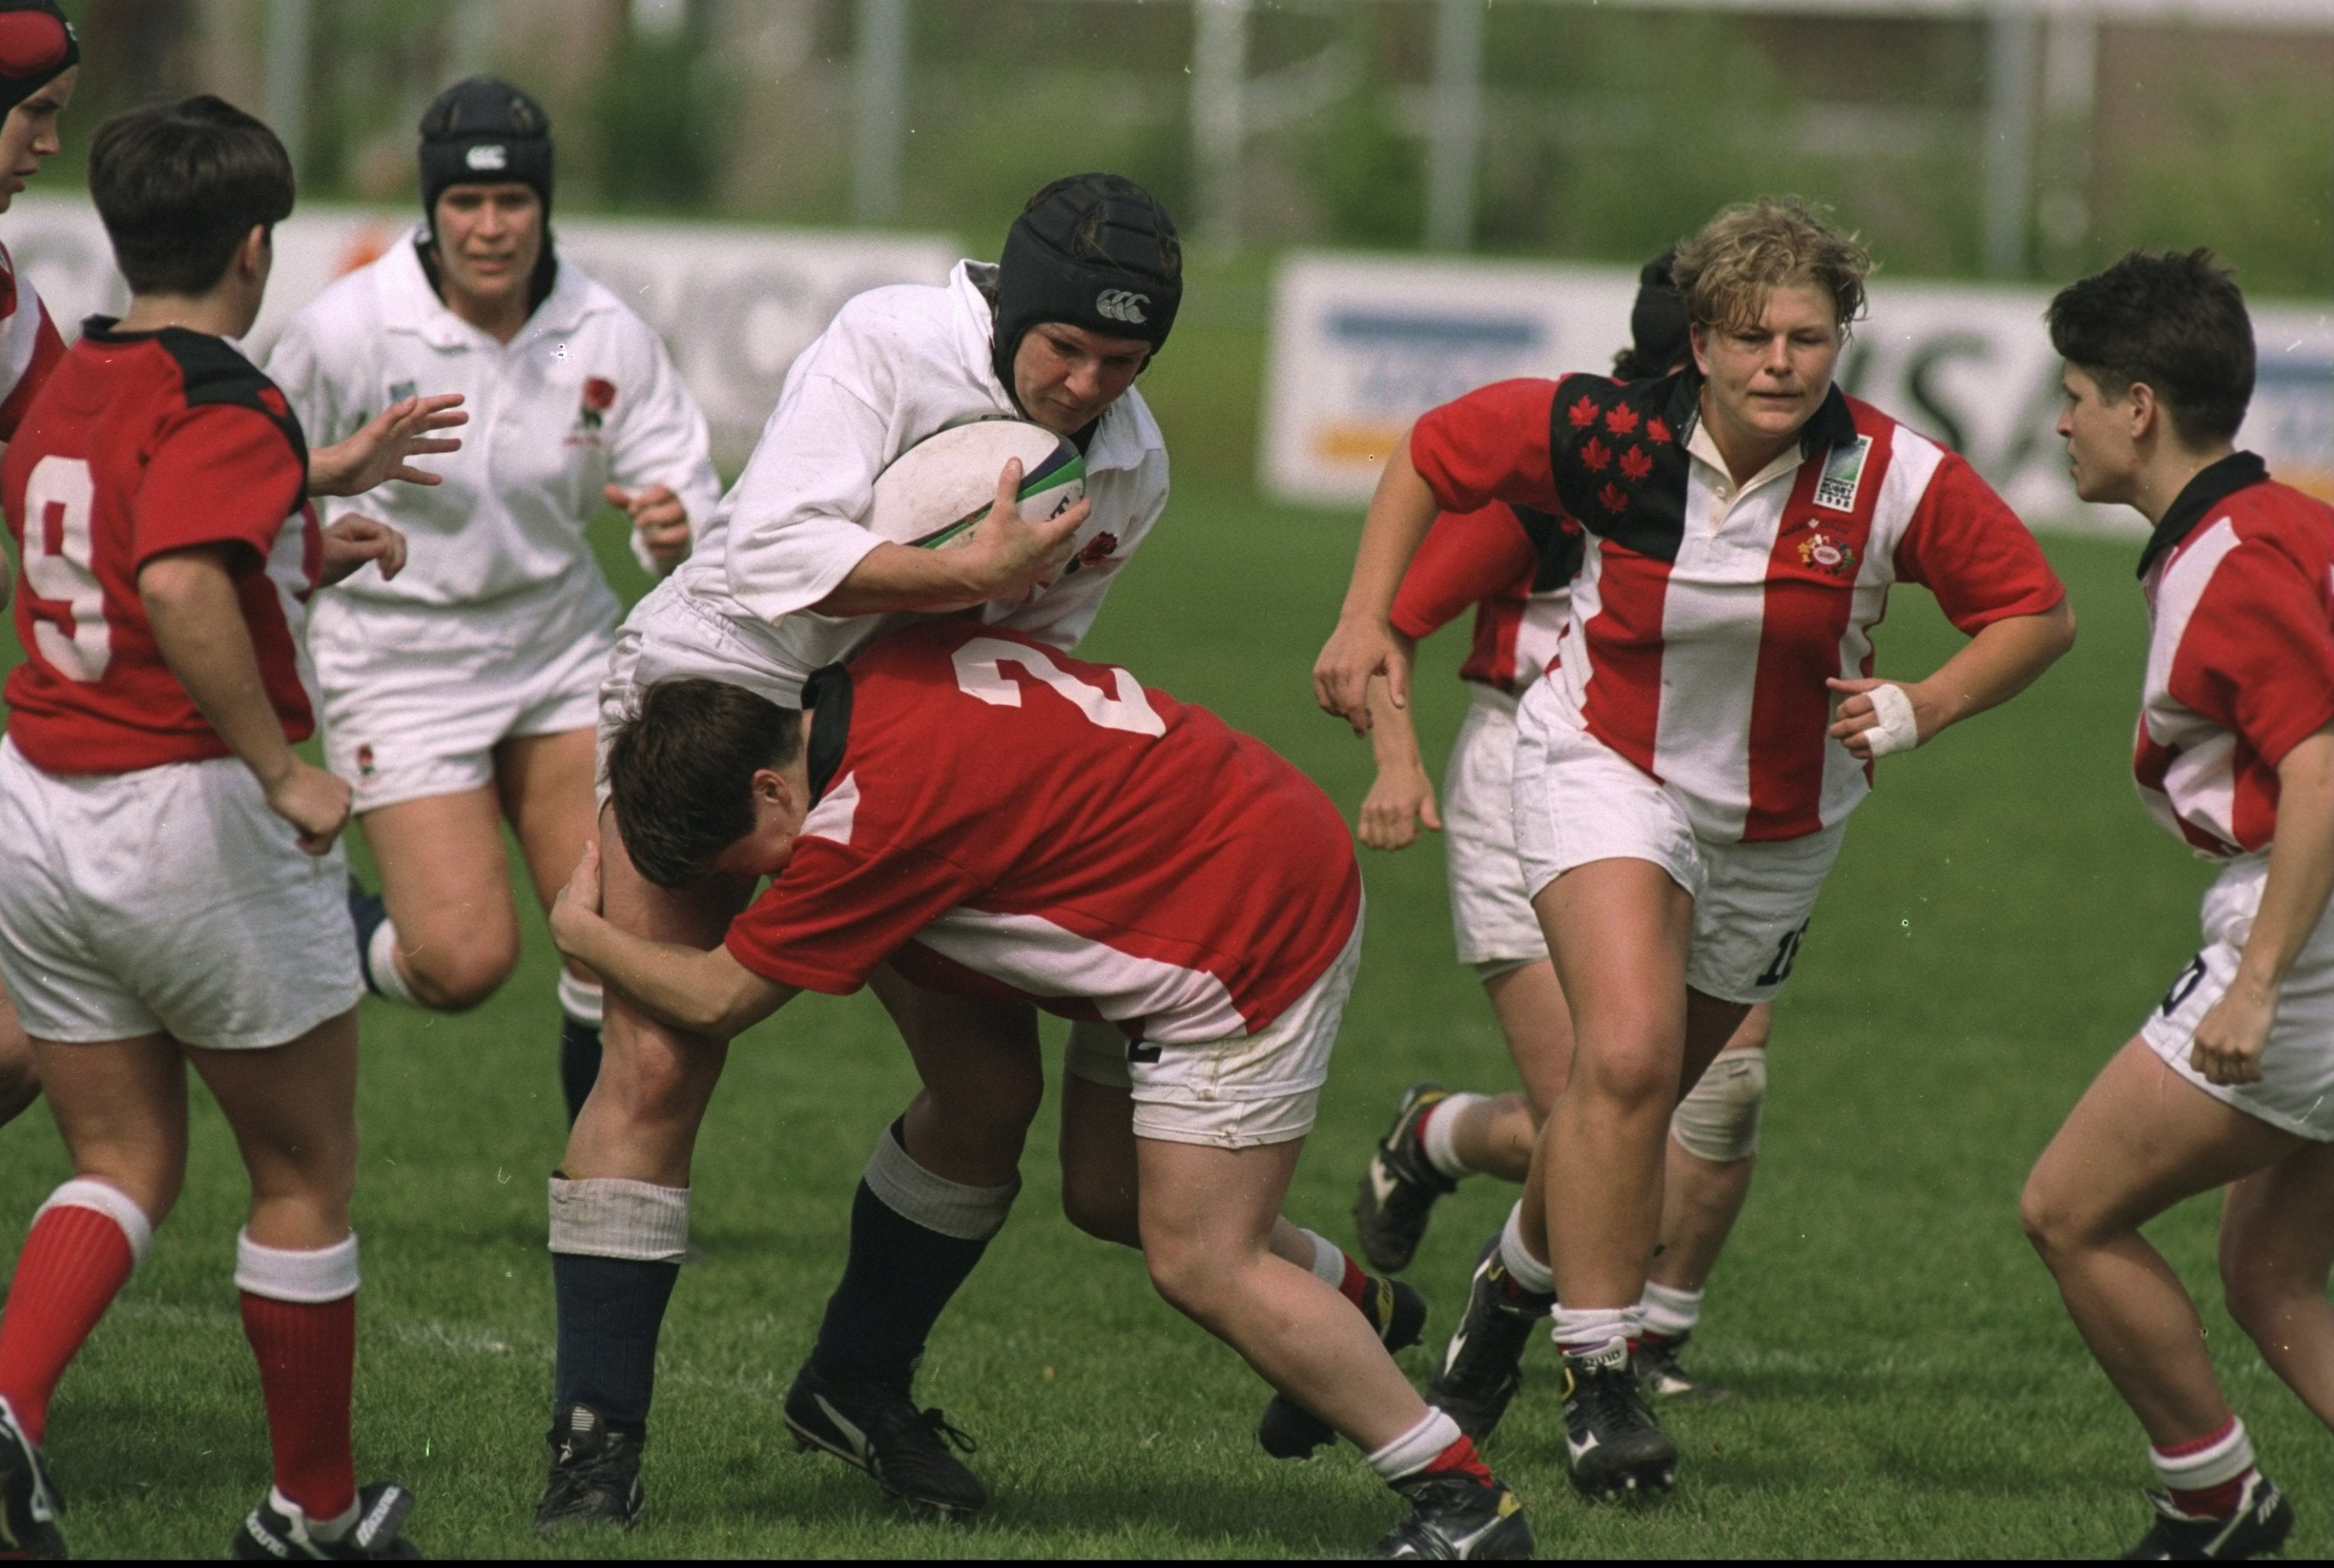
(1704, 632)
(996, 817)
(30, 347)
(141, 443)
(2240, 584)
(1515, 566)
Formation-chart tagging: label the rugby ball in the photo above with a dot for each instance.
(936, 490)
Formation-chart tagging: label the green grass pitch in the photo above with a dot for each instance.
(1908, 1384)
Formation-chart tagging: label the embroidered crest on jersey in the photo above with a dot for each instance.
(1098, 549)
(1831, 557)
(591, 410)
(1843, 475)
(365, 760)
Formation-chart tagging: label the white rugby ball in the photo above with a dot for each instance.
(936, 490)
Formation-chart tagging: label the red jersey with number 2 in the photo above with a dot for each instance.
(1004, 821)
(141, 443)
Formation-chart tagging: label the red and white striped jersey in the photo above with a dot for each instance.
(1705, 619)
(995, 817)
(2240, 583)
(30, 347)
(1514, 565)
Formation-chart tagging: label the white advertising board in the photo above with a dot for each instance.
(735, 304)
(1361, 346)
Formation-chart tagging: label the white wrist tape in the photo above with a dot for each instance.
(1894, 729)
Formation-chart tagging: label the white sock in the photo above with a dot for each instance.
(2221, 1457)
(1442, 1127)
(381, 963)
(1328, 1260)
(580, 999)
(1595, 1331)
(1671, 1313)
(1416, 1449)
(1527, 1271)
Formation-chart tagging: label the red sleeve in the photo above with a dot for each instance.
(220, 474)
(1490, 444)
(1966, 546)
(2258, 654)
(837, 911)
(1468, 557)
(47, 349)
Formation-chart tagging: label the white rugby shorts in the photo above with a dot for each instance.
(171, 900)
(2296, 1091)
(1231, 1093)
(1577, 801)
(1490, 910)
(672, 636)
(415, 698)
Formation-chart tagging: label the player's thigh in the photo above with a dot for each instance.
(20, 1075)
(447, 881)
(1711, 1024)
(979, 1059)
(1207, 1210)
(1101, 1187)
(292, 1109)
(1536, 1022)
(1618, 932)
(120, 1106)
(2277, 1226)
(545, 785)
(2140, 1139)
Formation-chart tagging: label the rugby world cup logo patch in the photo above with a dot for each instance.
(1122, 305)
(1843, 475)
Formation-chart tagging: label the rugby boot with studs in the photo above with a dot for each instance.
(881, 1430)
(1483, 1366)
(1455, 1517)
(1398, 1311)
(1613, 1446)
(595, 1473)
(29, 1505)
(2258, 1528)
(1666, 1381)
(1400, 1187)
(277, 1531)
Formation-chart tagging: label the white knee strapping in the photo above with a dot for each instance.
(602, 1216)
(934, 1202)
(381, 963)
(84, 1192)
(327, 1273)
(1718, 1119)
(580, 999)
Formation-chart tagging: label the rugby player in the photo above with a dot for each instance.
(171, 891)
(975, 810)
(1684, 772)
(2227, 1083)
(1515, 567)
(784, 581)
(463, 693)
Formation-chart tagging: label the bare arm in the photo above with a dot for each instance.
(2232, 1034)
(1364, 643)
(1402, 796)
(198, 628)
(1997, 664)
(1005, 557)
(698, 992)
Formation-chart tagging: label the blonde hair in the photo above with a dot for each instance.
(1726, 272)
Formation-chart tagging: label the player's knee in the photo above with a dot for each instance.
(993, 1117)
(1718, 1121)
(1187, 1276)
(1102, 1206)
(453, 976)
(1633, 1073)
(2053, 1217)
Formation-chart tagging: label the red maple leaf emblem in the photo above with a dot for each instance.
(1621, 418)
(1612, 498)
(1656, 432)
(1594, 454)
(1635, 463)
(1582, 414)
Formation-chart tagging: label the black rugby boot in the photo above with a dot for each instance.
(1483, 1366)
(1456, 1518)
(595, 1473)
(29, 1505)
(1400, 1187)
(881, 1430)
(1612, 1443)
(2258, 1528)
(1666, 1381)
(269, 1535)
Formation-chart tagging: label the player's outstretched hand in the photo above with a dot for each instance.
(378, 453)
(1401, 801)
(1355, 651)
(1007, 556)
(351, 541)
(2233, 1032)
(660, 519)
(578, 903)
(1877, 718)
(315, 803)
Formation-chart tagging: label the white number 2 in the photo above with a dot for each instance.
(980, 673)
(58, 556)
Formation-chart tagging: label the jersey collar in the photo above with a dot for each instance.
(2212, 485)
(827, 694)
(417, 309)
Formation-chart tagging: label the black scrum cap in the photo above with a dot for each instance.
(37, 46)
(1659, 323)
(482, 131)
(1096, 251)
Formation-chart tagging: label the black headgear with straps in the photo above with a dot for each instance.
(1659, 323)
(1096, 251)
(37, 46)
(483, 132)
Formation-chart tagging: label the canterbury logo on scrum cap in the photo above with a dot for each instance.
(490, 155)
(1121, 305)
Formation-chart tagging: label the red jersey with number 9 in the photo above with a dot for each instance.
(996, 818)
(141, 443)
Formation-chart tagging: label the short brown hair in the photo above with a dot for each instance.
(180, 185)
(2176, 321)
(680, 772)
(1750, 249)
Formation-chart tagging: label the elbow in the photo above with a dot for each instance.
(2062, 629)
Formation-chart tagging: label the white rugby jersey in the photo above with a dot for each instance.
(583, 396)
(29, 346)
(896, 365)
(2240, 583)
(1706, 620)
